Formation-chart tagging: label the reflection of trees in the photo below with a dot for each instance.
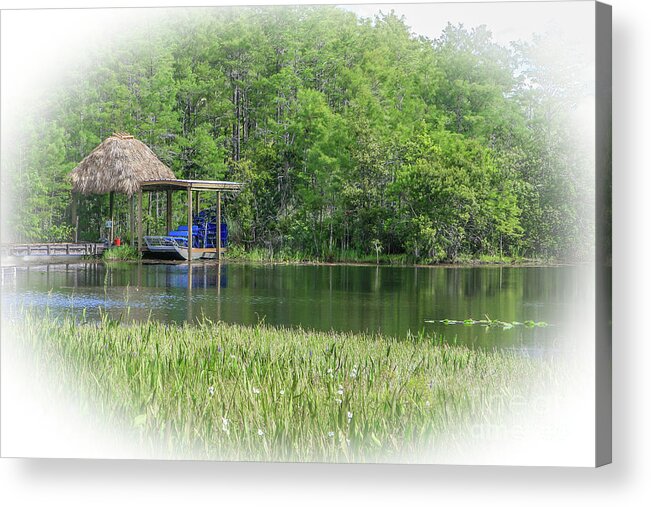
(355, 298)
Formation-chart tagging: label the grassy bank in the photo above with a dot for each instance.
(121, 253)
(237, 253)
(236, 392)
(263, 255)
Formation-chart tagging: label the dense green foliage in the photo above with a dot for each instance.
(235, 392)
(351, 135)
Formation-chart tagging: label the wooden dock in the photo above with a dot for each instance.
(52, 250)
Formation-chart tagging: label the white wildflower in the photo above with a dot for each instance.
(349, 415)
(338, 400)
(282, 391)
(427, 403)
(340, 391)
(331, 434)
(260, 432)
(211, 391)
(256, 390)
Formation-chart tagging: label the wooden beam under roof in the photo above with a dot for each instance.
(203, 185)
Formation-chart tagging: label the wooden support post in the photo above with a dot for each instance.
(147, 232)
(219, 227)
(73, 215)
(189, 224)
(140, 220)
(198, 200)
(132, 222)
(168, 209)
(111, 200)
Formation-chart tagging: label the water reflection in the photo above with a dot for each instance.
(392, 300)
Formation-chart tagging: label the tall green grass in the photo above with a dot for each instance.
(238, 253)
(224, 391)
(121, 253)
(256, 254)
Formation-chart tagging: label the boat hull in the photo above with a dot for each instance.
(197, 253)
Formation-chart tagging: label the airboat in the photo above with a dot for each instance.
(203, 239)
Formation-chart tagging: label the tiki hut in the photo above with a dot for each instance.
(118, 164)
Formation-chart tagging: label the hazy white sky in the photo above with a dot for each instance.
(508, 21)
(39, 45)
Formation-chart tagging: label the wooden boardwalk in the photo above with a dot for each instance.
(51, 249)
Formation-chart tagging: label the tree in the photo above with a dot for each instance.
(350, 135)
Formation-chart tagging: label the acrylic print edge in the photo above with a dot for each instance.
(603, 221)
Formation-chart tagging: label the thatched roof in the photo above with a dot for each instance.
(118, 164)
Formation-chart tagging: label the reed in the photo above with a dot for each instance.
(223, 391)
(121, 253)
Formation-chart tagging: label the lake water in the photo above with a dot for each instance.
(391, 300)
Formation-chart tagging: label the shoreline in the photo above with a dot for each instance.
(465, 264)
(476, 263)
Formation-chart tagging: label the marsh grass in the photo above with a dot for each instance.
(285, 256)
(223, 391)
(121, 253)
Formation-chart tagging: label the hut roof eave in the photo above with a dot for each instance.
(118, 164)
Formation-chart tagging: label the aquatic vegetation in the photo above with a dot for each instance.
(286, 256)
(488, 322)
(223, 391)
(121, 253)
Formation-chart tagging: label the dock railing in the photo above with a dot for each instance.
(51, 249)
